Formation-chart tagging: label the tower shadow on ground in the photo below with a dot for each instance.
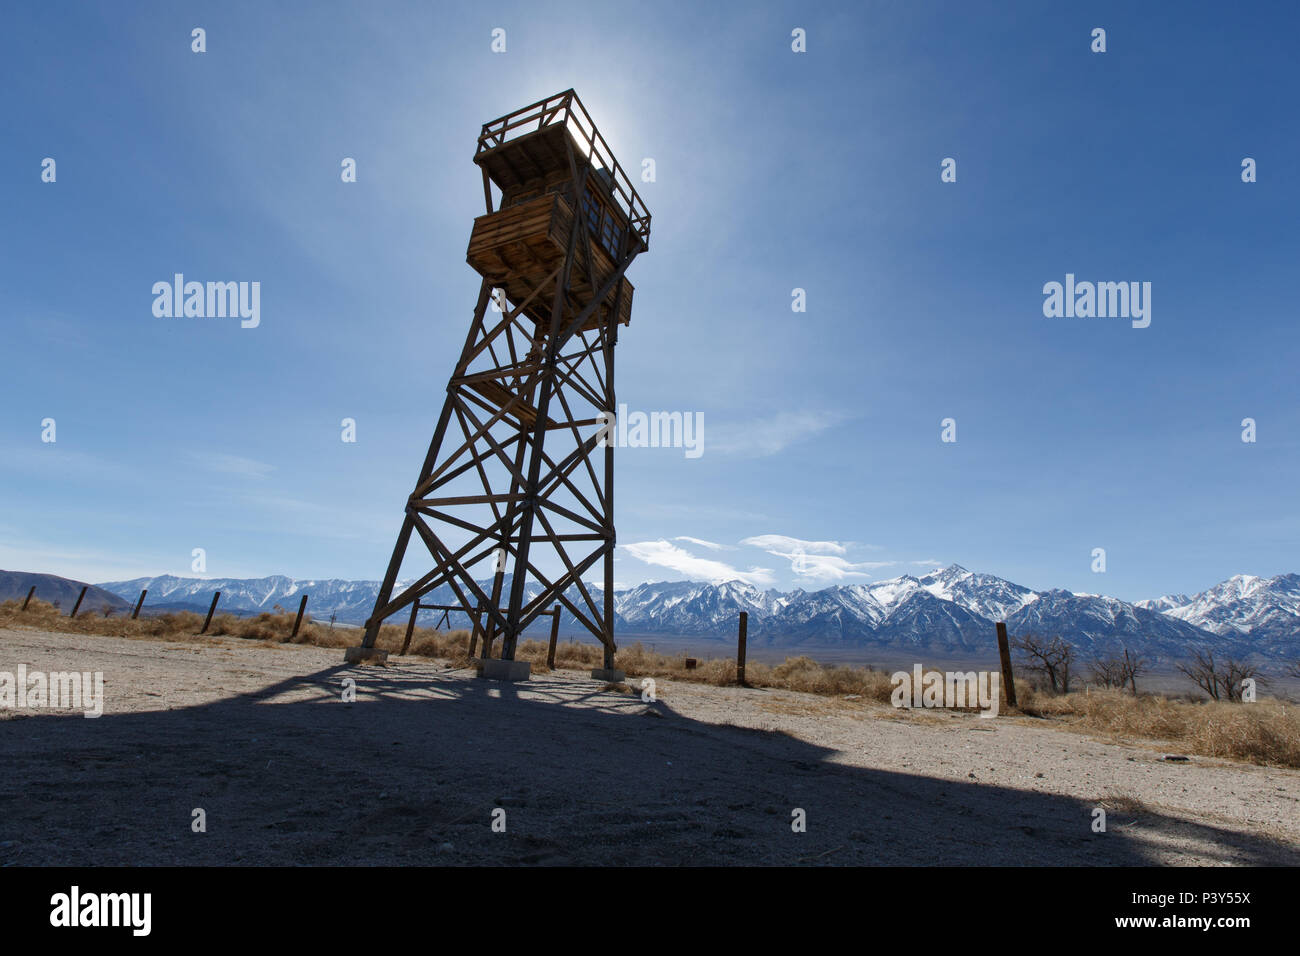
(411, 773)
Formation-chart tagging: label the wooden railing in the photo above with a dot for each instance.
(567, 110)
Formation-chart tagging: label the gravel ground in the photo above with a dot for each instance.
(417, 768)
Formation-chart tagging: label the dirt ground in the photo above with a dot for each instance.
(414, 772)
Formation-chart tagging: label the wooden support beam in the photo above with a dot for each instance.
(139, 604)
(28, 599)
(410, 628)
(474, 630)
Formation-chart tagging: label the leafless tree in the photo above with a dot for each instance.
(1120, 670)
(1107, 671)
(1201, 671)
(1136, 665)
(1050, 657)
(1221, 679)
(1237, 673)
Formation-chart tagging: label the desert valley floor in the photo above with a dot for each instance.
(260, 739)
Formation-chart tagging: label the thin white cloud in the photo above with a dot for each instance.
(818, 560)
(80, 564)
(233, 465)
(56, 461)
(665, 554)
(786, 543)
(761, 437)
(711, 545)
(691, 514)
(829, 567)
(284, 514)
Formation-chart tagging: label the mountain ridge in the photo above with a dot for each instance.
(950, 610)
(14, 586)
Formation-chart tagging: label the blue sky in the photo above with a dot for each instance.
(775, 170)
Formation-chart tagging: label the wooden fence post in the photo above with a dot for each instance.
(139, 604)
(215, 597)
(80, 598)
(740, 649)
(297, 622)
(29, 597)
(1004, 651)
(555, 636)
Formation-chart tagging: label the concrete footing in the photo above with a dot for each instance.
(609, 675)
(506, 670)
(362, 655)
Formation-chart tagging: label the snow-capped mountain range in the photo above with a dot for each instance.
(947, 611)
(1264, 609)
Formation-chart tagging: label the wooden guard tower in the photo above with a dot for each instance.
(518, 484)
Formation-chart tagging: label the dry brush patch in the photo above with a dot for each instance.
(796, 673)
(266, 628)
(1264, 732)
(44, 616)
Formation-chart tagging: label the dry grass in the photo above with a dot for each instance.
(1124, 805)
(266, 628)
(1266, 732)
(796, 673)
(1126, 811)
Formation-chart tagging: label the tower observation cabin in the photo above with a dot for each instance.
(530, 156)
